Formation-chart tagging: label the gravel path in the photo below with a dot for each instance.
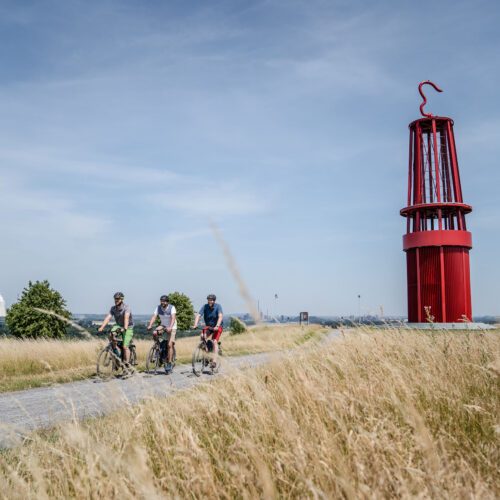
(24, 411)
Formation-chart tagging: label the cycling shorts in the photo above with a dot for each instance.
(216, 334)
(126, 335)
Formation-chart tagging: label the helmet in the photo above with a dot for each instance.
(211, 296)
(164, 298)
(118, 295)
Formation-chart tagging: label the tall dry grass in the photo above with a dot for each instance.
(33, 363)
(380, 414)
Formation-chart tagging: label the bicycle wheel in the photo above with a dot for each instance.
(107, 364)
(198, 360)
(153, 360)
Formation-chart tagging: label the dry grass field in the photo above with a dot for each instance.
(376, 414)
(34, 363)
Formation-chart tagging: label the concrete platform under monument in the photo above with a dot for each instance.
(450, 326)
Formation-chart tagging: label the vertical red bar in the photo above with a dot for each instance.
(419, 300)
(466, 271)
(415, 177)
(460, 220)
(410, 162)
(454, 165)
(429, 166)
(417, 188)
(436, 161)
(428, 158)
(417, 196)
(466, 298)
(436, 165)
(446, 165)
(443, 287)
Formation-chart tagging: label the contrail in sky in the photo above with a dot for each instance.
(233, 268)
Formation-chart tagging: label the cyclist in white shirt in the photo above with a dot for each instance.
(168, 323)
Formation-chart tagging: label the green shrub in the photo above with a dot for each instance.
(237, 326)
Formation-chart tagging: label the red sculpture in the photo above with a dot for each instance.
(436, 242)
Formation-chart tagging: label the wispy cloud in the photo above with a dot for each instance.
(188, 194)
(55, 161)
(215, 199)
(34, 213)
(176, 238)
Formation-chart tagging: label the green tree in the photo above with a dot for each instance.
(185, 311)
(23, 319)
(237, 326)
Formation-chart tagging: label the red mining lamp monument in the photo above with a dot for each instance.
(436, 242)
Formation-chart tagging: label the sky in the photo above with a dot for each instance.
(127, 126)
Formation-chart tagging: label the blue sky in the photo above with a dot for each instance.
(126, 125)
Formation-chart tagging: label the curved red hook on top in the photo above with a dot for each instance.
(427, 82)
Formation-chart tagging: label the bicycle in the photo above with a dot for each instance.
(158, 354)
(110, 359)
(203, 355)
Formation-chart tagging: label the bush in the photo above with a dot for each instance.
(185, 311)
(23, 320)
(237, 326)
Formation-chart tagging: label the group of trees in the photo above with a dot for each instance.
(42, 312)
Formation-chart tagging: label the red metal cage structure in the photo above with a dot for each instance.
(436, 242)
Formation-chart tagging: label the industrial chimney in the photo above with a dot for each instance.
(436, 242)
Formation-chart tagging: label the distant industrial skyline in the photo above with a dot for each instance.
(126, 125)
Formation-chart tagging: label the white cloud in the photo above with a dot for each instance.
(60, 162)
(186, 193)
(34, 213)
(217, 200)
(173, 238)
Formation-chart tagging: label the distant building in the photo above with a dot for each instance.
(3, 312)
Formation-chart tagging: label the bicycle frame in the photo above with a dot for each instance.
(114, 343)
(208, 331)
(203, 354)
(158, 353)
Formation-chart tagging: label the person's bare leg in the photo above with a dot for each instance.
(171, 343)
(170, 351)
(126, 354)
(216, 351)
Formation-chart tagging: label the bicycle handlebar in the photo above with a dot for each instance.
(210, 329)
(118, 331)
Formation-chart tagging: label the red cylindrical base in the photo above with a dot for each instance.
(438, 284)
